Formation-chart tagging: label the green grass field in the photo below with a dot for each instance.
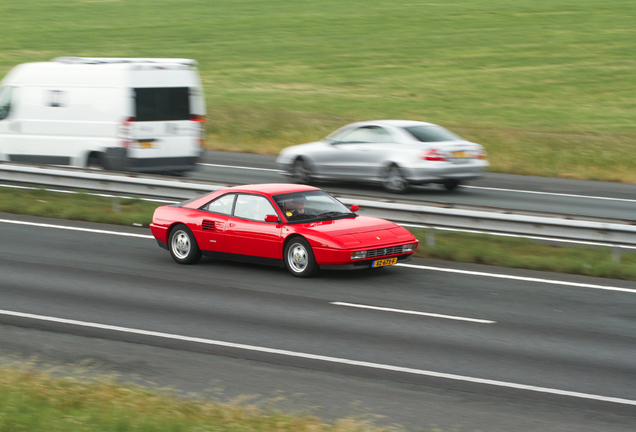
(546, 86)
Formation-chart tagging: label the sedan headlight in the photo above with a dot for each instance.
(358, 255)
(409, 247)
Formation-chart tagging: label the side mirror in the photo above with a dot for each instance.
(271, 218)
(355, 208)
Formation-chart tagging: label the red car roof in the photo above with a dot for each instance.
(273, 188)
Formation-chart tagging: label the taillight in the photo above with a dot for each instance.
(434, 155)
(125, 131)
(481, 154)
(200, 120)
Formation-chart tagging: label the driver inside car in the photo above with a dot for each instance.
(295, 207)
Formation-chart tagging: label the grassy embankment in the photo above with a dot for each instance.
(461, 247)
(547, 87)
(36, 401)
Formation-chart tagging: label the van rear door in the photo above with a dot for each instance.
(165, 133)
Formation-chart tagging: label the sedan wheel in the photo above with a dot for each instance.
(451, 184)
(394, 180)
(300, 172)
(183, 246)
(299, 258)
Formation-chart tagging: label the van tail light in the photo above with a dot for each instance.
(201, 121)
(125, 132)
(434, 155)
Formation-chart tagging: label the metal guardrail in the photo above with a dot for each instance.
(617, 234)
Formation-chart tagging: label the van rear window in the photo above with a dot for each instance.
(162, 103)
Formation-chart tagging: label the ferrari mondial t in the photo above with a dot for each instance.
(299, 227)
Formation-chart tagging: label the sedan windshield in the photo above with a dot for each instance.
(432, 134)
(311, 206)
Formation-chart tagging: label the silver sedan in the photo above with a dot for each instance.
(395, 153)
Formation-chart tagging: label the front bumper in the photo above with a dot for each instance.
(364, 264)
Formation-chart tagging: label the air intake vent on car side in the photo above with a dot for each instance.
(208, 225)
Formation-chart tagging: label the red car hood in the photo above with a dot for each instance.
(362, 232)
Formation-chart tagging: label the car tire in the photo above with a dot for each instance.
(183, 246)
(393, 180)
(451, 184)
(300, 171)
(299, 258)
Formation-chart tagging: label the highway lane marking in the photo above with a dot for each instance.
(421, 267)
(519, 278)
(69, 228)
(550, 193)
(464, 186)
(239, 167)
(410, 312)
(365, 364)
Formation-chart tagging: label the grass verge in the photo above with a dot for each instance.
(451, 246)
(39, 401)
(546, 86)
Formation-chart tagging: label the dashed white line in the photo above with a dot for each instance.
(410, 312)
(329, 359)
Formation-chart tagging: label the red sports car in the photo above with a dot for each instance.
(300, 227)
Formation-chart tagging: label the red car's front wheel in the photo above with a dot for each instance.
(299, 258)
(183, 246)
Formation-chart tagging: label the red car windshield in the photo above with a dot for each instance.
(311, 206)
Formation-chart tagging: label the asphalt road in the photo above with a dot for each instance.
(429, 345)
(519, 194)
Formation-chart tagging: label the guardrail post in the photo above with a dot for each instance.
(430, 237)
(616, 254)
(116, 205)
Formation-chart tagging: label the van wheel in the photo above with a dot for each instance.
(95, 161)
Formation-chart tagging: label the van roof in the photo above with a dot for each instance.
(111, 60)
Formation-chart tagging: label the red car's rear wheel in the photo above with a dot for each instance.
(183, 246)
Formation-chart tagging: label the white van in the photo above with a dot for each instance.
(124, 114)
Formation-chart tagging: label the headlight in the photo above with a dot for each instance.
(409, 247)
(358, 255)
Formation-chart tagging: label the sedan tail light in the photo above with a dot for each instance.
(481, 154)
(434, 155)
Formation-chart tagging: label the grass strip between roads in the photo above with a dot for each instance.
(50, 401)
(451, 246)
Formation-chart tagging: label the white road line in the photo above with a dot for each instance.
(464, 186)
(92, 194)
(519, 278)
(239, 167)
(550, 193)
(410, 312)
(441, 269)
(329, 359)
(69, 228)
(497, 234)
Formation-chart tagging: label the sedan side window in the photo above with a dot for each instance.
(253, 207)
(368, 134)
(222, 205)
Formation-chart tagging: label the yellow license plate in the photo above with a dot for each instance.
(146, 144)
(460, 154)
(384, 262)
